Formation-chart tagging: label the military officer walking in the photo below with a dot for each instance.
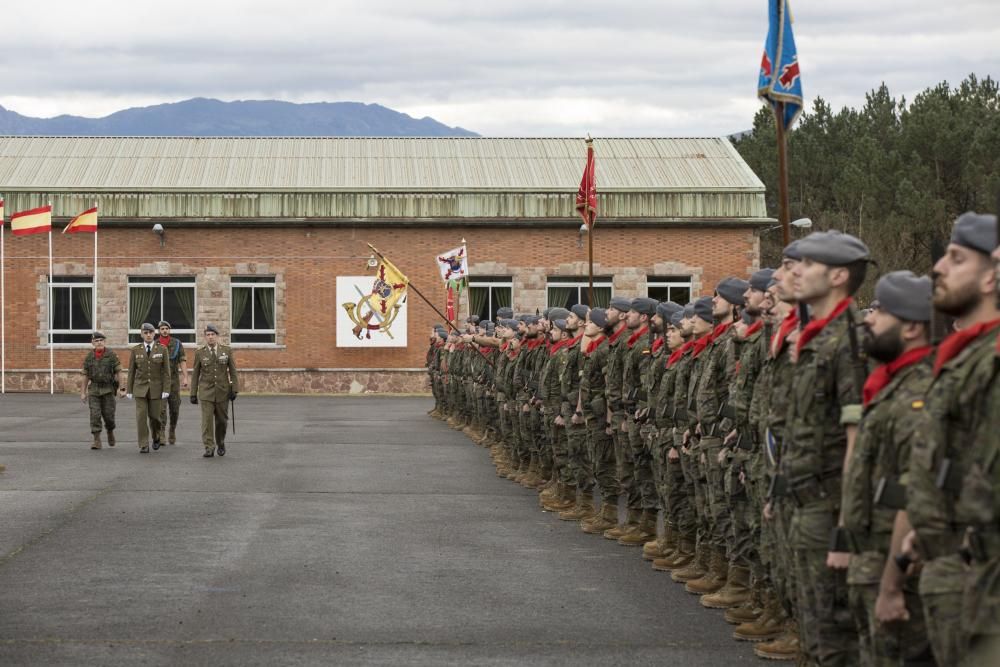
(178, 379)
(101, 382)
(214, 383)
(148, 382)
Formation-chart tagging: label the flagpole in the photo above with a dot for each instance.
(94, 314)
(468, 290)
(3, 315)
(418, 293)
(590, 268)
(783, 213)
(52, 374)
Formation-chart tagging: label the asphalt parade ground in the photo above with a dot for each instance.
(335, 531)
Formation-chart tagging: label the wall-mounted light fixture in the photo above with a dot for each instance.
(158, 230)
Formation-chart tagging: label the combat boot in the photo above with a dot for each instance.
(752, 609)
(696, 569)
(632, 519)
(641, 532)
(97, 441)
(661, 546)
(582, 510)
(714, 579)
(608, 518)
(785, 647)
(769, 625)
(111, 438)
(735, 592)
(681, 557)
(564, 498)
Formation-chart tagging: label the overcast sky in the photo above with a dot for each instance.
(513, 68)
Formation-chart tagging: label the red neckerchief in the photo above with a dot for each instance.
(951, 346)
(165, 341)
(616, 335)
(593, 344)
(815, 326)
(880, 378)
(720, 331)
(701, 344)
(555, 347)
(657, 344)
(99, 353)
(753, 328)
(636, 336)
(679, 353)
(504, 345)
(486, 350)
(787, 326)
(533, 344)
(573, 341)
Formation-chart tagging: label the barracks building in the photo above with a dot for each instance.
(252, 234)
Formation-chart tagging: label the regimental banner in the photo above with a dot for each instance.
(361, 321)
(453, 265)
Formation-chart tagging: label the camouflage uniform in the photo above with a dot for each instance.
(594, 403)
(682, 502)
(578, 463)
(549, 392)
(941, 451)
(175, 352)
(882, 452)
(104, 376)
(642, 493)
(826, 397)
(624, 465)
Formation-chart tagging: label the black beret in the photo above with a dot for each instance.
(164, 323)
(676, 318)
(146, 326)
(561, 324)
(599, 316)
(761, 280)
(97, 335)
(793, 251)
(508, 322)
(443, 334)
(558, 314)
(703, 309)
(905, 295)
(689, 310)
(505, 313)
(732, 290)
(644, 305)
(580, 310)
(545, 313)
(833, 248)
(531, 319)
(472, 319)
(975, 231)
(212, 328)
(620, 303)
(667, 309)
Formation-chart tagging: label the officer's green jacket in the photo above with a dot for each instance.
(213, 378)
(148, 375)
(103, 373)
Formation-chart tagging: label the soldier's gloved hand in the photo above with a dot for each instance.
(194, 400)
(232, 396)
(165, 395)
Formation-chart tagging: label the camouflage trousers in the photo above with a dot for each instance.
(579, 468)
(643, 492)
(602, 453)
(742, 540)
(512, 439)
(531, 432)
(826, 626)
(102, 407)
(716, 501)
(694, 471)
(783, 574)
(681, 496)
(893, 644)
(624, 461)
(981, 611)
(943, 616)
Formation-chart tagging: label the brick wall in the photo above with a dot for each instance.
(306, 261)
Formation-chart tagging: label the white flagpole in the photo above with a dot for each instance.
(468, 289)
(52, 372)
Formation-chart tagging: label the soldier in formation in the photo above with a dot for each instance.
(827, 476)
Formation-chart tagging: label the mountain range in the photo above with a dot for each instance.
(251, 118)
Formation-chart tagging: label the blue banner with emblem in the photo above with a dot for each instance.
(779, 79)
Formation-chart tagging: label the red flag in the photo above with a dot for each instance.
(449, 307)
(586, 197)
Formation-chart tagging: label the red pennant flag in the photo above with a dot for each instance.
(586, 197)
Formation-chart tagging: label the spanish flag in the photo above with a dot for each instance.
(85, 222)
(35, 221)
(1, 213)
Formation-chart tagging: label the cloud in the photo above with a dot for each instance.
(522, 67)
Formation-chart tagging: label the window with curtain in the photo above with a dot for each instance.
(564, 292)
(151, 299)
(669, 288)
(71, 315)
(488, 294)
(252, 308)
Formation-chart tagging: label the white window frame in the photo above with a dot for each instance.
(154, 320)
(555, 281)
(490, 284)
(93, 310)
(670, 283)
(236, 282)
